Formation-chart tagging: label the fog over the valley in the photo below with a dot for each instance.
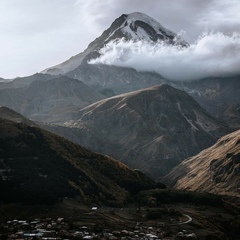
(212, 55)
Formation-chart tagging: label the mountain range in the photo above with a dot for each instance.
(145, 121)
(219, 96)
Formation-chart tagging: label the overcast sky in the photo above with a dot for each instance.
(36, 34)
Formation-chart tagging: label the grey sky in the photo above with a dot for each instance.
(38, 34)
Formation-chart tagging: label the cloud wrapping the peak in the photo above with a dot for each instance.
(212, 55)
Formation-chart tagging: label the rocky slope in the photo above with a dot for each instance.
(39, 167)
(152, 129)
(215, 170)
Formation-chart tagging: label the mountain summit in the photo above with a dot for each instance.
(138, 26)
(135, 26)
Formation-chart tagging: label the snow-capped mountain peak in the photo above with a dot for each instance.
(139, 26)
(134, 26)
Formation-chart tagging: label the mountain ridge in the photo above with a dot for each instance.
(51, 99)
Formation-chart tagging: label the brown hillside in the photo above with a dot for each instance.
(215, 170)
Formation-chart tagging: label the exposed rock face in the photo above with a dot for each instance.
(215, 170)
(40, 167)
(53, 100)
(152, 129)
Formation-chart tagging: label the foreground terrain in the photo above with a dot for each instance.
(72, 220)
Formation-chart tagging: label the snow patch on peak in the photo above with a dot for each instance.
(137, 16)
(139, 26)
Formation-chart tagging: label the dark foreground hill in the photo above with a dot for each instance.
(39, 167)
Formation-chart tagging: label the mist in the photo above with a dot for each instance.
(212, 55)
